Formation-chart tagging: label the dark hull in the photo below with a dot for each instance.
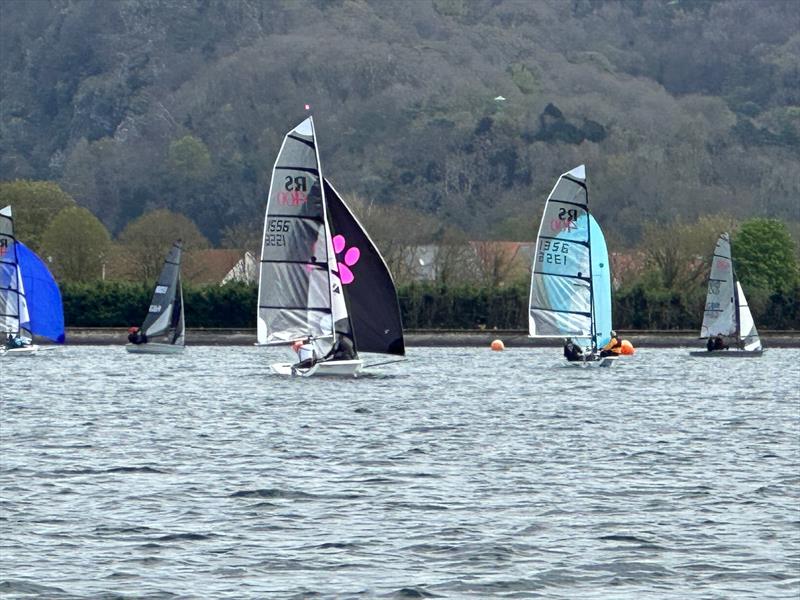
(727, 353)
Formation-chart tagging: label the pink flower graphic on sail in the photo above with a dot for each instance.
(351, 257)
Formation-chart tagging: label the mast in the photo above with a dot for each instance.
(328, 238)
(593, 329)
(737, 308)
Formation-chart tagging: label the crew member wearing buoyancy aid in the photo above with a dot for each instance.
(572, 351)
(613, 347)
(136, 336)
(716, 343)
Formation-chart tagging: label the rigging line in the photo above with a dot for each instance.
(387, 362)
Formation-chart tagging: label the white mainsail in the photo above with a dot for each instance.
(719, 316)
(726, 312)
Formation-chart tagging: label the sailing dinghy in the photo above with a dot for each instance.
(164, 328)
(322, 280)
(571, 278)
(30, 301)
(726, 312)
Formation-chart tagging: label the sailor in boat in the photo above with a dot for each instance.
(17, 341)
(136, 336)
(716, 343)
(306, 354)
(572, 351)
(342, 349)
(613, 347)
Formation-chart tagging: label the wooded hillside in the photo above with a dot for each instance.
(679, 108)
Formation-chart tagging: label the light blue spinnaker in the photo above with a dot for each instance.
(601, 284)
(571, 278)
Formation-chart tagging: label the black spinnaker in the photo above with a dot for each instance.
(368, 285)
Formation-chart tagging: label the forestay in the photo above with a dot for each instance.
(165, 315)
(300, 294)
(561, 283)
(368, 286)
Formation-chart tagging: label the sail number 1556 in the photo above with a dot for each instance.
(553, 252)
(275, 230)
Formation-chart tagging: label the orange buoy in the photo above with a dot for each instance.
(498, 345)
(627, 348)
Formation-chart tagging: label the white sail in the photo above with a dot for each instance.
(747, 327)
(719, 316)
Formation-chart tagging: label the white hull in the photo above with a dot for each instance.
(606, 362)
(727, 353)
(24, 351)
(154, 348)
(328, 368)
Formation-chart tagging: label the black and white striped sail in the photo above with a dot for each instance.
(13, 306)
(165, 315)
(726, 312)
(561, 282)
(300, 294)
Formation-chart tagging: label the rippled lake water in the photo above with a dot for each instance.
(460, 473)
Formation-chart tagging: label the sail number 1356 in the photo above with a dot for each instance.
(553, 252)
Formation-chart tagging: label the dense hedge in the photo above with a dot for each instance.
(117, 304)
(424, 306)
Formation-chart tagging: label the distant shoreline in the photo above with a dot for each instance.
(111, 336)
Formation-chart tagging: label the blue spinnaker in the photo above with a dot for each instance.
(601, 284)
(42, 295)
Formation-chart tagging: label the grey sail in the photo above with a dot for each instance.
(165, 314)
(300, 294)
(720, 314)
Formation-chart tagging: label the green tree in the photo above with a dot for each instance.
(144, 243)
(189, 159)
(77, 244)
(765, 256)
(679, 253)
(34, 204)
